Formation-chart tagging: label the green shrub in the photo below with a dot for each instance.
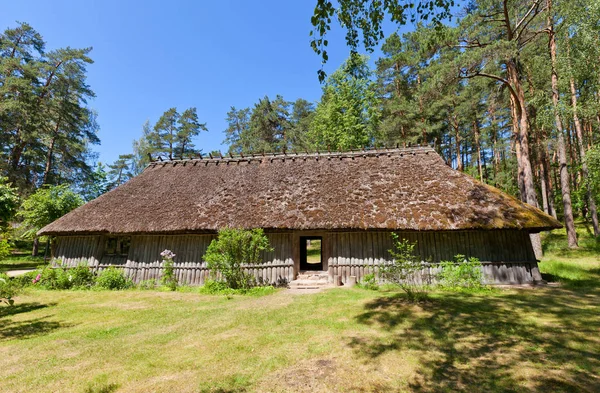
(405, 269)
(81, 277)
(369, 281)
(55, 278)
(168, 278)
(461, 273)
(7, 289)
(27, 279)
(231, 250)
(113, 278)
(4, 248)
(213, 287)
(60, 277)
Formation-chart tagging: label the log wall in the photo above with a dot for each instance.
(144, 262)
(76, 250)
(506, 256)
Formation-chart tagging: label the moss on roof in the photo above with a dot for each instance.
(399, 189)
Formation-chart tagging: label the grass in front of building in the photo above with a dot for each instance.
(20, 261)
(526, 340)
(313, 252)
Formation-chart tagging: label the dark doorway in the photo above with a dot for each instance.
(311, 253)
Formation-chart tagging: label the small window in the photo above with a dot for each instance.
(111, 246)
(117, 245)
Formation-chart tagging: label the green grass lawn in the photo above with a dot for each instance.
(20, 261)
(517, 340)
(313, 252)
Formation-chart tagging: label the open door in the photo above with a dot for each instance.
(311, 253)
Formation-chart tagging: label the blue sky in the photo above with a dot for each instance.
(153, 55)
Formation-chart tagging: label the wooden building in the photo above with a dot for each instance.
(351, 201)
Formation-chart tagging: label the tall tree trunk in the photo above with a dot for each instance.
(549, 182)
(478, 148)
(455, 126)
(48, 166)
(517, 146)
(562, 153)
(540, 142)
(584, 167)
(424, 129)
(36, 246)
(17, 151)
(544, 188)
(495, 150)
(572, 160)
(526, 183)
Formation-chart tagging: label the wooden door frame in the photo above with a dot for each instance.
(303, 240)
(325, 248)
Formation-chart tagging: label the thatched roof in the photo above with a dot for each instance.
(399, 189)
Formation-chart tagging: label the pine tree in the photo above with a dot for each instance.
(189, 127)
(164, 138)
(120, 170)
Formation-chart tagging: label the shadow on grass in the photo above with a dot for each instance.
(591, 282)
(14, 330)
(469, 342)
(20, 266)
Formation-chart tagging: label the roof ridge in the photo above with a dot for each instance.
(295, 155)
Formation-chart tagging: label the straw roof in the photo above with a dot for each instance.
(398, 189)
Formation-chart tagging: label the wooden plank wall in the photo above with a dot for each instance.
(145, 263)
(506, 256)
(72, 251)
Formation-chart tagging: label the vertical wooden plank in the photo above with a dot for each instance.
(352, 254)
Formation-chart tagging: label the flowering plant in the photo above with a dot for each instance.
(168, 278)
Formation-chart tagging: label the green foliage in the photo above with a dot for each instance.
(369, 281)
(592, 158)
(168, 278)
(366, 18)
(27, 279)
(46, 127)
(147, 284)
(4, 248)
(9, 201)
(172, 134)
(55, 278)
(141, 149)
(46, 205)
(462, 273)
(406, 269)
(270, 126)
(97, 184)
(81, 277)
(213, 287)
(120, 170)
(7, 289)
(231, 250)
(113, 278)
(61, 277)
(349, 112)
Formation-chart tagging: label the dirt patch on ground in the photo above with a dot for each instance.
(328, 374)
